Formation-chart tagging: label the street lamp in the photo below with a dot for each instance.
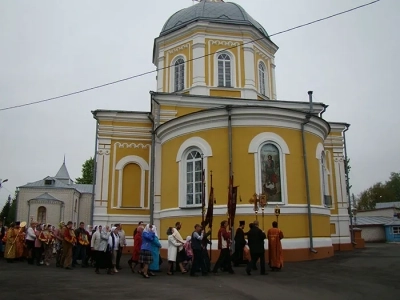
(2, 181)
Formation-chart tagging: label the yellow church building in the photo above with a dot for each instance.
(216, 108)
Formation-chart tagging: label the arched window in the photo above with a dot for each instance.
(192, 158)
(179, 75)
(270, 158)
(194, 169)
(224, 70)
(270, 152)
(41, 215)
(327, 199)
(261, 78)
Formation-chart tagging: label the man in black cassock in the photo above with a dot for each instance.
(240, 242)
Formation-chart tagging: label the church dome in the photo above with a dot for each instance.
(211, 11)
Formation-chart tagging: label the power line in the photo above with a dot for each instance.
(167, 67)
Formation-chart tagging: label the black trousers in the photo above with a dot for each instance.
(79, 253)
(254, 258)
(237, 257)
(118, 259)
(198, 262)
(224, 260)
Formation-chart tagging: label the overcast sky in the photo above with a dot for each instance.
(49, 48)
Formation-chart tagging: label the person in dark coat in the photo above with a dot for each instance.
(240, 242)
(256, 238)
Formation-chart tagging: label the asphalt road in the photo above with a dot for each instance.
(371, 273)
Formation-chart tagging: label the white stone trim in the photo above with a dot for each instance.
(241, 117)
(195, 141)
(247, 210)
(160, 74)
(268, 136)
(120, 168)
(319, 150)
(205, 149)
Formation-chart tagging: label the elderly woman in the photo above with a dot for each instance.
(155, 251)
(173, 245)
(113, 243)
(146, 258)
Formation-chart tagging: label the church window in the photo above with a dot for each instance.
(327, 199)
(270, 167)
(179, 75)
(192, 158)
(194, 167)
(270, 152)
(261, 77)
(41, 215)
(224, 70)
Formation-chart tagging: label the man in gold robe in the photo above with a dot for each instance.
(10, 249)
(20, 241)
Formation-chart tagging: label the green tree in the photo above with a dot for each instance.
(9, 209)
(380, 192)
(87, 172)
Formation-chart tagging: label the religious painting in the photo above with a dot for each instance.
(271, 172)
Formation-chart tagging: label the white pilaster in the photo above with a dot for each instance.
(157, 183)
(199, 72)
(102, 178)
(273, 83)
(160, 74)
(249, 91)
(340, 180)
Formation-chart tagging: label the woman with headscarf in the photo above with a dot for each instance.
(173, 245)
(155, 251)
(137, 244)
(146, 258)
(113, 243)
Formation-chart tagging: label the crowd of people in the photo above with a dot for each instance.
(101, 247)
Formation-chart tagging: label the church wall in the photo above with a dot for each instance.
(125, 197)
(68, 196)
(184, 51)
(244, 176)
(85, 208)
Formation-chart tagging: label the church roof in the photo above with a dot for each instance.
(63, 172)
(211, 11)
(46, 196)
(58, 184)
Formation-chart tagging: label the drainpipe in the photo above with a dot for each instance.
(323, 110)
(94, 172)
(229, 110)
(348, 185)
(303, 138)
(152, 161)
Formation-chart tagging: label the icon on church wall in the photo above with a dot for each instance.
(271, 172)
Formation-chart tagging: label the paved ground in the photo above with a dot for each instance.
(372, 273)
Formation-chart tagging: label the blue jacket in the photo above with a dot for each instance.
(147, 240)
(155, 252)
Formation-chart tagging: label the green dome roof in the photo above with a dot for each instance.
(215, 12)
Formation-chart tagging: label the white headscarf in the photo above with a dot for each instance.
(147, 228)
(155, 230)
(188, 238)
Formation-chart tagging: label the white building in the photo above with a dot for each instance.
(55, 199)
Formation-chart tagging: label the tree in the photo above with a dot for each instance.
(87, 172)
(380, 192)
(9, 209)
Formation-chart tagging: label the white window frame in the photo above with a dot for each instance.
(172, 73)
(398, 230)
(131, 159)
(262, 78)
(255, 147)
(325, 177)
(232, 69)
(193, 143)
